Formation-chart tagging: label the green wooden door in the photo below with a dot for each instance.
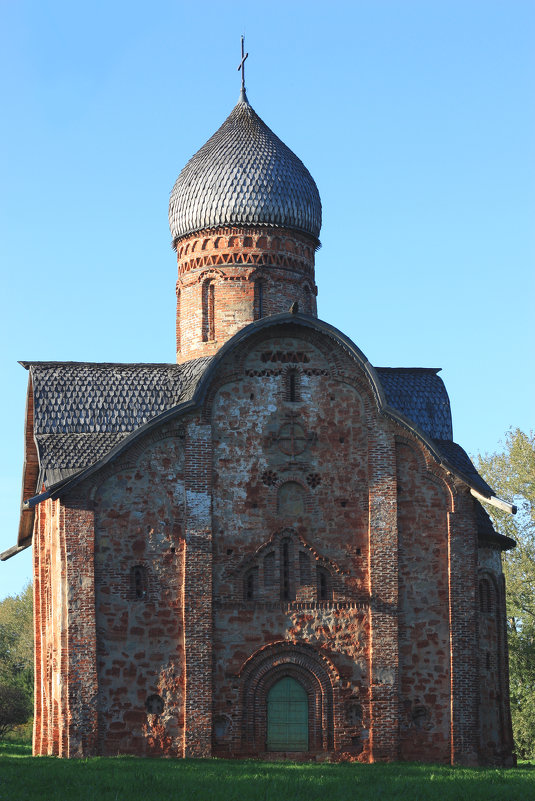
(287, 717)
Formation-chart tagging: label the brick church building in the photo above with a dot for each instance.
(270, 547)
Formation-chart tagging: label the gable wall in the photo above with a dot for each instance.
(316, 498)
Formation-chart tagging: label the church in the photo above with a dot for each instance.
(270, 548)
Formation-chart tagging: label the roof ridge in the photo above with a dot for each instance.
(27, 364)
(434, 370)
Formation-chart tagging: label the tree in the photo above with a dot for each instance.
(15, 707)
(511, 473)
(16, 641)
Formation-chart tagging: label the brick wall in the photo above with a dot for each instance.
(424, 642)
(139, 575)
(229, 277)
(291, 471)
(285, 529)
(198, 591)
(463, 631)
(495, 736)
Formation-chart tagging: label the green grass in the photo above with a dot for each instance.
(24, 778)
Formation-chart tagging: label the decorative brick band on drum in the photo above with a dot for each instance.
(229, 277)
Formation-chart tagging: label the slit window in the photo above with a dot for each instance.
(208, 311)
(269, 570)
(286, 593)
(138, 582)
(250, 585)
(293, 386)
(259, 300)
(323, 584)
(304, 568)
(485, 596)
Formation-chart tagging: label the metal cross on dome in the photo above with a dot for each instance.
(242, 64)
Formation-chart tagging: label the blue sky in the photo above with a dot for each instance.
(415, 118)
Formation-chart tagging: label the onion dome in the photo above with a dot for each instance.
(244, 176)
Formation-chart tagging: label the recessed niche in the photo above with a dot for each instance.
(154, 704)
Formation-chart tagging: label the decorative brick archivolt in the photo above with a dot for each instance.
(429, 468)
(274, 540)
(209, 275)
(493, 664)
(316, 674)
(129, 460)
(263, 568)
(489, 597)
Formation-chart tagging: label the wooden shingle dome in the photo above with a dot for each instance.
(244, 176)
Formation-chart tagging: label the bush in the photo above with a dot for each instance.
(15, 707)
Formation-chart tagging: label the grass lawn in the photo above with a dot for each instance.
(24, 778)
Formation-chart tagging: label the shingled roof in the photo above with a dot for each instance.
(487, 535)
(457, 458)
(419, 393)
(82, 410)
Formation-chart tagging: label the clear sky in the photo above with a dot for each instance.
(415, 117)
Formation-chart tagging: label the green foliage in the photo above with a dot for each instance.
(22, 734)
(137, 779)
(15, 707)
(16, 639)
(511, 473)
(16, 660)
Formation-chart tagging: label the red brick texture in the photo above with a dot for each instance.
(230, 277)
(284, 529)
(424, 636)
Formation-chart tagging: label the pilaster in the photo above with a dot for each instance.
(463, 632)
(384, 577)
(77, 522)
(198, 592)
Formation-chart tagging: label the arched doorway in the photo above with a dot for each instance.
(287, 716)
(315, 676)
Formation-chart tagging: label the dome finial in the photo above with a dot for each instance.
(243, 96)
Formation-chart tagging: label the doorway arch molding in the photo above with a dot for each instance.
(313, 670)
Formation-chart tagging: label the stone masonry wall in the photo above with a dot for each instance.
(139, 573)
(290, 472)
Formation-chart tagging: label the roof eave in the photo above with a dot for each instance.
(309, 321)
(55, 490)
(499, 503)
(14, 550)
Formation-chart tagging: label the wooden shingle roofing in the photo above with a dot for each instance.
(244, 176)
(82, 410)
